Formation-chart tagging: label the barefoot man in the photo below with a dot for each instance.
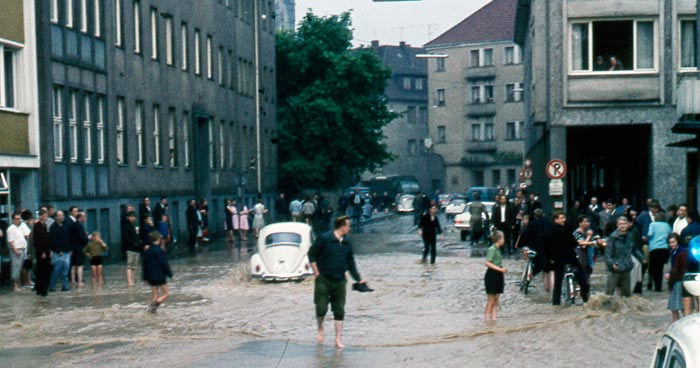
(331, 256)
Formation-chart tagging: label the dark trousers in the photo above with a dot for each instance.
(559, 271)
(657, 260)
(507, 247)
(192, 240)
(429, 245)
(43, 275)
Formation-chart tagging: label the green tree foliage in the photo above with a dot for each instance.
(331, 105)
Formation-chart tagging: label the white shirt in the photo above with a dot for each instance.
(16, 237)
(503, 213)
(679, 225)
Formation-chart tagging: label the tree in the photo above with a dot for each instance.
(331, 105)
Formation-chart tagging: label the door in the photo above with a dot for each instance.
(202, 181)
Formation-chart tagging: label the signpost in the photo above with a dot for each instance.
(556, 171)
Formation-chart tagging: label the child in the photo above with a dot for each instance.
(164, 229)
(155, 270)
(94, 251)
(494, 278)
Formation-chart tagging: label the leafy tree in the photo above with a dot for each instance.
(331, 105)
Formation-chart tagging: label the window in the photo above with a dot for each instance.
(440, 94)
(100, 127)
(83, 16)
(509, 55)
(510, 131)
(54, 11)
(439, 65)
(73, 126)
(172, 148)
(613, 45)
(69, 13)
(183, 36)
(156, 136)
(154, 33)
(118, 27)
(229, 69)
(209, 60)
(231, 146)
(98, 18)
(169, 40)
(441, 134)
(212, 148)
(511, 176)
(423, 115)
(186, 131)
(481, 93)
(140, 137)
(488, 132)
(514, 92)
(478, 178)
(137, 26)
(7, 76)
(419, 84)
(406, 83)
(220, 65)
(57, 123)
(474, 58)
(476, 132)
(412, 149)
(488, 57)
(87, 130)
(411, 114)
(496, 177)
(197, 56)
(222, 144)
(488, 93)
(688, 37)
(476, 94)
(515, 130)
(121, 134)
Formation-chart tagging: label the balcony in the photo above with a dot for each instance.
(475, 110)
(481, 146)
(484, 72)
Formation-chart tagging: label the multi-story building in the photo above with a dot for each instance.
(19, 108)
(606, 82)
(285, 18)
(154, 97)
(477, 115)
(407, 138)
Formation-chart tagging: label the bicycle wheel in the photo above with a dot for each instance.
(527, 278)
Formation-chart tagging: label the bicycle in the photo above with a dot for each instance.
(572, 286)
(526, 278)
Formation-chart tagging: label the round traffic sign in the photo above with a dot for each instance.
(555, 169)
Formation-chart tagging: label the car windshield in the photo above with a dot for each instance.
(282, 239)
(458, 202)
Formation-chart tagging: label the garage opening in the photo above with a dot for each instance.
(609, 162)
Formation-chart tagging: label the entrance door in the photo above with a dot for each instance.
(202, 181)
(609, 162)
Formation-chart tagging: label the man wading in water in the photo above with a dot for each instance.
(331, 256)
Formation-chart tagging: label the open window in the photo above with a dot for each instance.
(613, 46)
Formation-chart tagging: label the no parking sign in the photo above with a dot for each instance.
(555, 169)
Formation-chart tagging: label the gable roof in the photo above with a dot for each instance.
(493, 22)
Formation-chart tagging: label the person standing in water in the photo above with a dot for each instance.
(494, 280)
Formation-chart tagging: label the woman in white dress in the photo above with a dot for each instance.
(259, 211)
(232, 217)
(243, 223)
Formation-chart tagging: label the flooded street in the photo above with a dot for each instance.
(418, 316)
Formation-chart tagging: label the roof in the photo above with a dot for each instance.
(493, 22)
(402, 61)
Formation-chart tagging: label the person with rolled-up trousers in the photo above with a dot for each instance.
(428, 229)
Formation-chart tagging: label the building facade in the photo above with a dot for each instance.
(606, 82)
(475, 79)
(407, 138)
(19, 108)
(285, 18)
(155, 98)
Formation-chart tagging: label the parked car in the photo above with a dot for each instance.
(456, 206)
(680, 346)
(404, 204)
(463, 220)
(444, 200)
(282, 249)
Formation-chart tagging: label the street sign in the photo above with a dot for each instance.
(555, 169)
(556, 187)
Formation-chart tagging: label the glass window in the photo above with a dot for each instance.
(54, 11)
(137, 26)
(419, 84)
(688, 37)
(57, 123)
(520, 129)
(209, 60)
(488, 93)
(231, 145)
(7, 77)
(121, 134)
(406, 83)
(474, 58)
(476, 132)
(83, 16)
(488, 132)
(439, 65)
(73, 125)
(511, 176)
(183, 37)
(222, 144)
(98, 17)
(579, 46)
(100, 127)
(476, 94)
(440, 97)
(283, 239)
(220, 65)
(478, 178)
(87, 129)
(118, 26)
(613, 45)
(423, 115)
(197, 56)
(186, 133)
(488, 57)
(509, 55)
(412, 149)
(510, 131)
(645, 45)
(212, 148)
(69, 13)
(154, 33)
(172, 148)
(441, 134)
(140, 136)
(510, 94)
(157, 139)
(411, 114)
(496, 177)
(169, 40)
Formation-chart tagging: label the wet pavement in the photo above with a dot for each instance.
(419, 315)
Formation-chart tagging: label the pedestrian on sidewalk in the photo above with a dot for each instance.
(134, 248)
(156, 270)
(42, 248)
(494, 279)
(331, 256)
(428, 229)
(61, 252)
(94, 251)
(17, 243)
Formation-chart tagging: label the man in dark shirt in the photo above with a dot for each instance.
(130, 241)
(61, 252)
(331, 256)
(693, 228)
(560, 245)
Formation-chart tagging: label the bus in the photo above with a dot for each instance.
(393, 184)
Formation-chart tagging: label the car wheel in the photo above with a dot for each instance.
(463, 235)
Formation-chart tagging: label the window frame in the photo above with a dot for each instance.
(441, 134)
(169, 38)
(73, 124)
(87, 128)
(14, 51)
(591, 57)
(118, 26)
(137, 27)
(140, 134)
(184, 46)
(439, 65)
(97, 8)
(681, 68)
(197, 52)
(154, 34)
(157, 138)
(440, 102)
(120, 136)
(210, 61)
(57, 122)
(187, 139)
(172, 138)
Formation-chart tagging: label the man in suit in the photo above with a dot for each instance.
(159, 210)
(192, 224)
(78, 239)
(144, 210)
(504, 220)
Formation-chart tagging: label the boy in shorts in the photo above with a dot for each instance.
(156, 270)
(94, 251)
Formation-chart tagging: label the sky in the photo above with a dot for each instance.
(415, 22)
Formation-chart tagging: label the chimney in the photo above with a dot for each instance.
(375, 44)
(402, 44)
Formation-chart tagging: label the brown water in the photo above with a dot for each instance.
(419, 315)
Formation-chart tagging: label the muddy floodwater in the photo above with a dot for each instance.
(418, 316)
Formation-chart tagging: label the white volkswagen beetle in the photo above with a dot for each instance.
(282, 249)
